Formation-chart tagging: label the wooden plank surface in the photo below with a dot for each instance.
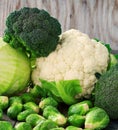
(97, 18)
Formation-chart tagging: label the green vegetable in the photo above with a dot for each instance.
(15, 100)
(38, 91)
(5, 125)
(76, 120)
(27, 97)
(14, 70)
(73, 128)
(49, 101)
(34, 119)
(23, 115)
(23, 126)
(31, 105)
(4, 102)
(46, 125)
(106, 92)
(1, 113)
(96, 118)
(53, 114)
(113, 60)
(59, 128)
(14, 110)
(66, 90)
(33, 30)
(80, 108)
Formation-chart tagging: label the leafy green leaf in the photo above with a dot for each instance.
(105, 44)
(64, 89)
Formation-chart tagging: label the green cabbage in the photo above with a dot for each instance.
(14, 70)
(65, 90)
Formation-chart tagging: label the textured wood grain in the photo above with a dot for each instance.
(97, 18)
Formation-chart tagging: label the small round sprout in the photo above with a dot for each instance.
(49, 101)
(23, 126)
(53, 114)
(80, 108)
(4, 101)
(5, 125)
(34, 119)
(96, 118)
(76, 120)
(73, 128)
(31, 105)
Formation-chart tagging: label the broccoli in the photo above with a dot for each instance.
(106, 92)
(33, 30)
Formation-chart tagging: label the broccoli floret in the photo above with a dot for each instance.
(33, 30)
(106, 92)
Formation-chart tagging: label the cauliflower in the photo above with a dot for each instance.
(76, 57)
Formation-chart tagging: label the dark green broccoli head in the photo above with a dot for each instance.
(106, 92)
(32, 30)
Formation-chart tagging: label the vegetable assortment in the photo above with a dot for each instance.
(51, 80)
(46, 114)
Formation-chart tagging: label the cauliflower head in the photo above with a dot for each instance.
(76, 57)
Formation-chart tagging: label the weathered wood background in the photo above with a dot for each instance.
(97, 18)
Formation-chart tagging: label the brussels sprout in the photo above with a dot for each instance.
(23, 126)
(14, 110)
(34, 119)
(53, 114)
(80, 108)
(37, 91)
(46, 125)
(5, 125)
(59, 128)
(4, 101)
(96, 118)
(31, 105)
(22, 115)
(15, 99)
(49, 101)
(1, 113)
(76, 120)
(27, 97)
(73, 128)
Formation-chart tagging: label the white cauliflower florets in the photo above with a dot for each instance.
(77, 57)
